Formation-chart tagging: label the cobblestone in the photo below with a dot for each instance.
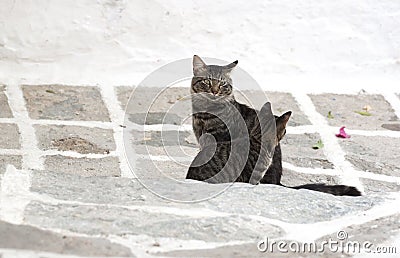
(65, 103)
(9, 137)
(5, 110)
(93, 140)
(32, 238)
(292, 178)
(381, 157)
(83, 166)
(344, 107)
(282, 102)
(15, 160)
(297, 149)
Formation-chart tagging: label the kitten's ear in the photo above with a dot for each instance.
(199, 67)
(281, 123)
(231, 65)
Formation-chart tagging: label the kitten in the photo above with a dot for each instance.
(238, 143)
(242, 158)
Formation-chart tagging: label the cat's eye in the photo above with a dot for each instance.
(206, 82)
(224, 86)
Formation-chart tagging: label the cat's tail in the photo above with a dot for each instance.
(331, 189)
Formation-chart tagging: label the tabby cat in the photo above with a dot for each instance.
(238, 143)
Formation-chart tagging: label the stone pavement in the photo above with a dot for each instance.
(68, 189)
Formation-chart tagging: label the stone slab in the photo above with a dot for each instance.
(168, 151)
(32, 238)
(168, 143)
(150, 169)
(292, 178)
(123, 94)
(15, 160)
(163, 138)
(9, 136)
(374, 154)
(75, 138)
(95, 220)
(280, 103)
(156, 105)
(375, 186)
(108, 166)
(5, 111)
(234, 251)
(379, 232)
(152, 118)
(101, 190)
(297, 150)
(343, 107)
(247, 250)
(237, 198)
(59, 102)
(292, 208)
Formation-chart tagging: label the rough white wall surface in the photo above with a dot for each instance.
(285, 41)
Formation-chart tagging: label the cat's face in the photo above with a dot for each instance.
(212, 79)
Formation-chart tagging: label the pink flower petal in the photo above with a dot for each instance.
(342, 133)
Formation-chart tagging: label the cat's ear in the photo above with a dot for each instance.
(281, 123)
(232, 65)
(199, 67)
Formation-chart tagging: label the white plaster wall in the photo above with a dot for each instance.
(279, 41)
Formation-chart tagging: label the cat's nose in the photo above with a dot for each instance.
(214, 89)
